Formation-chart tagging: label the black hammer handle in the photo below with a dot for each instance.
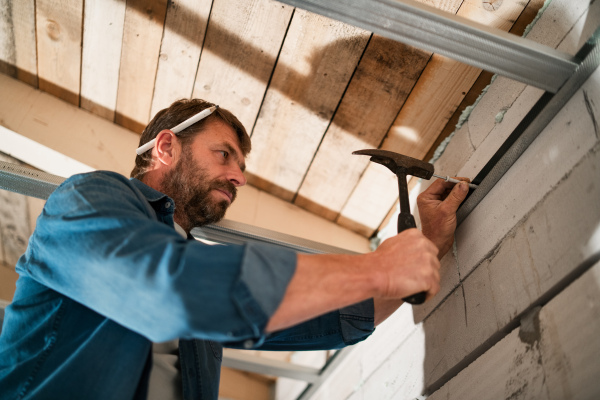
(407, 221)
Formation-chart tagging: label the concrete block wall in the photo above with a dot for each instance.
(518, 315)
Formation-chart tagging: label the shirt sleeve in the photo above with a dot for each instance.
(99, 242)
(333, 330)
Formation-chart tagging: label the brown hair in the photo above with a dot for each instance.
(178, 112)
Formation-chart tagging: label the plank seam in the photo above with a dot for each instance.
(268, 85)
(114, 118)
(162, 38)
(212, 3)
(333, 115)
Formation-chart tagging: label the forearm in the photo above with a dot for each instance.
(323, 283)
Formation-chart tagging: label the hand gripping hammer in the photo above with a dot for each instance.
(403, 166)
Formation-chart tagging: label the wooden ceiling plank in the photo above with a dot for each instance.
(18, 57)
(317, 60)
(180, 50)
(436, 96)
(385, 77)
(144, 22)
(59, 27)
(242, 43)
(102, 40)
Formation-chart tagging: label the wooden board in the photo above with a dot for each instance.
(102, 39)
(185, 26)
(59, 27)
(17, 40)
(383, 80)
(440, 90)
(316, 63)
(242, 44)
(144, 21)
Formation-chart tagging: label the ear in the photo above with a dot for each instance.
(166, 149)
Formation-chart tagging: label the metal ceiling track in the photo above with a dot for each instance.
(32, 182)
(452, 36)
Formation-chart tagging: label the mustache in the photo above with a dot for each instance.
(225, 185)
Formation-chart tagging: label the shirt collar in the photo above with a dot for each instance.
(149, 193)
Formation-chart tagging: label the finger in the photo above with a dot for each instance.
(456, 196)
(436, 190)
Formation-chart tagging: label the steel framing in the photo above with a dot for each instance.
(455, 37)
(421, 26)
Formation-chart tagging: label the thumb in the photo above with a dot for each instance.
(457, 196)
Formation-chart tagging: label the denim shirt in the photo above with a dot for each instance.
(105, 275)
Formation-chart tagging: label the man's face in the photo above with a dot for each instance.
(204, 179)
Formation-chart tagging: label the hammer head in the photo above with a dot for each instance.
(399, 163)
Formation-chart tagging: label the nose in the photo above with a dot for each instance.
(236, 176)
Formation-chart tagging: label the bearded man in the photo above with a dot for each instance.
(115, 300)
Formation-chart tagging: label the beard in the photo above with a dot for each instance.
(190, 188)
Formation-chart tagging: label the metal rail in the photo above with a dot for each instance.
(455, 37)
(531, 126)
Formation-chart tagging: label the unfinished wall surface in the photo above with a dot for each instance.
(518, 316)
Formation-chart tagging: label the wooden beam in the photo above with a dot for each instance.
(59, 27)
(241, 48)
(144, 21)
(69, 130)
(102, 40)
(316, 63)
(440, 90)
(182, 41)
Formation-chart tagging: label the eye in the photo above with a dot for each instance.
(224, 153)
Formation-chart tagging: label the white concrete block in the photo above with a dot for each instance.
(449, 280)
(388, 337)
(584, 28)
(553, 154)
(509, 370)
(500, 96)
(457, 152)
(489, 144)
(556, 357)
(401, 376)
(343, 381)
(556, 21)
(569, 343)
(559, 235)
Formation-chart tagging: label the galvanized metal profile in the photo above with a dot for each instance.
(455, 37)
(234, 232)
(31, 182)
(246, 362)
(542, 113)
(27, 181)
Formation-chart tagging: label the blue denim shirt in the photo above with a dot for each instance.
(105, 275)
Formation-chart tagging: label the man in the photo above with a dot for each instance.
(111, 276)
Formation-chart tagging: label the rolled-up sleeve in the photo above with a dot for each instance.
(333, 330)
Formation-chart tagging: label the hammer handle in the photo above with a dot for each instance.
(407, 221)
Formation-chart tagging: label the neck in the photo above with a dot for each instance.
(153, 179)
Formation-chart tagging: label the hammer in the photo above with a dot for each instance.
(402, 166)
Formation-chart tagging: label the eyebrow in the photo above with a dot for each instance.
(236, 155)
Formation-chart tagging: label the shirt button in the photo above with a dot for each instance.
(248, 344)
